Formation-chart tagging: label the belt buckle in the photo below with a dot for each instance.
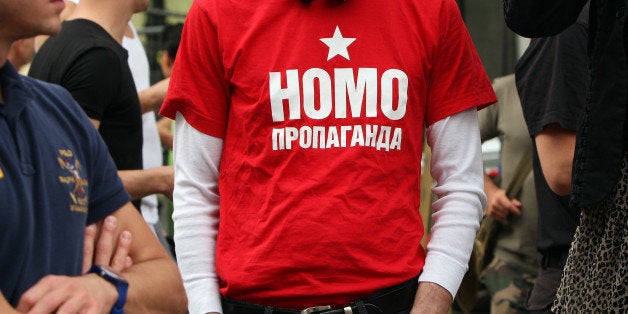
(316, 309)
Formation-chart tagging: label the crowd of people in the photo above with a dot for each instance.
(294, 133)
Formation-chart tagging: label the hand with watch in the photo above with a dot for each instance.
(89, 293)
(106, 250)
(114, 278)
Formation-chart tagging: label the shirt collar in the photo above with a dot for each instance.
(14, 91)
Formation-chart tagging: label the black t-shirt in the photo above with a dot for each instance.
(90, 64)
(93, 67)
(552, 79)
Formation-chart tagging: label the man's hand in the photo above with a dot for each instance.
(87, 294)
(104, 253)
(500, 206)
(431, 299)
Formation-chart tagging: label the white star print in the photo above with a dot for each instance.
(338, 45)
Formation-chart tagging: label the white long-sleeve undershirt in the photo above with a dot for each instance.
(456, 166)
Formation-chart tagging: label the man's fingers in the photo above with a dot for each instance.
(515, 207)
(119, 260)
(503, 202)
(105, 244)
(499, 217)
(496, 214)
(516, 202)
(128, 262)
(88, 246)
(80, 303)
(65, 295)
(504, 206)
(54, 300)
(514, 210)
(31, 299)
(109, 250)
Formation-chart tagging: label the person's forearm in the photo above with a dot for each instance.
(166, 139)
(556, 147)
(457, 168)
(140, 183)
(489, 186)
(155, 284)
(196, 214)
(146, 287)
(164, 127)
(541, 18)
(152, 97)
(5, 307)
(431, 299)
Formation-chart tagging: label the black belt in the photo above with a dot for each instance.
(390, 300)
(554, 259)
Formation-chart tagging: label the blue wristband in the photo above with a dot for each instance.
(121, 285)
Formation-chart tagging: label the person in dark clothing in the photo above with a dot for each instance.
(56, 177)
(88, 62)
(550, 82)
(596, 274)
(87, 58)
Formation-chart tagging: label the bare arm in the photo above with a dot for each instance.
(164, 127)
(96, 123)
(140, 183)
(556, 147)
(5, 307)
(101, 247)
(159, 180)
(74, 293)
(152, 267)
(489, 186)
(152, 97)
(90, 293)
(431, 298)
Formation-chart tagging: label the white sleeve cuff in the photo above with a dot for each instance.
(435, 263)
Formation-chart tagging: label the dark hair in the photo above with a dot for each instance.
(171, 39)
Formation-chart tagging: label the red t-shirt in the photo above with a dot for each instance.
(322, 108)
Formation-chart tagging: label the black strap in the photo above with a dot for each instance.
(486, 237)
(514, 186)
(521, 172)
(390, 300)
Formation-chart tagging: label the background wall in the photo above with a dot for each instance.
(494, 41)
(150, 26)
(497, 46)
